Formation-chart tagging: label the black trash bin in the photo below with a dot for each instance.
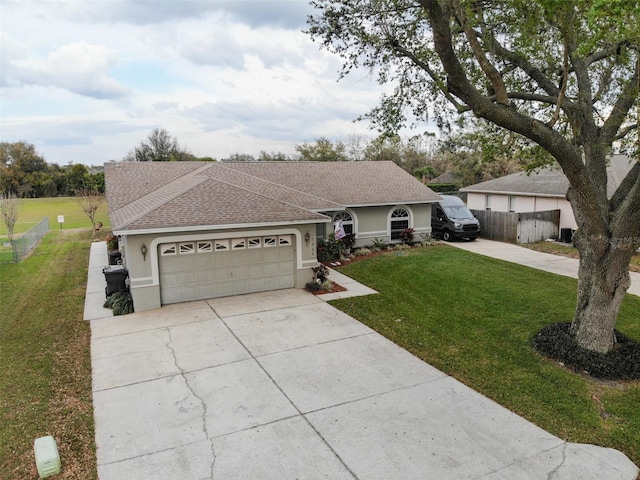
(566, 234)
(115, 257)
(116, 277)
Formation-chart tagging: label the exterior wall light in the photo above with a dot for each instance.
(143, 251)
(306, 238)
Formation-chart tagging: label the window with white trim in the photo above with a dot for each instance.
(205, 246)
(284, 240)
(347, 221)
(168, 249)
(255, 242)
(512, 204)
(399, 223)
(270, 241)
(221, 245)
(487, 202)
(186, 248)
(238, 244)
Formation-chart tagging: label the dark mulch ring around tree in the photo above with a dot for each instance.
(622, 363)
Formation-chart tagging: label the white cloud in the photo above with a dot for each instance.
(87, 81)
(78, 67)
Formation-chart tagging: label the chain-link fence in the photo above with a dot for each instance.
(26, 243)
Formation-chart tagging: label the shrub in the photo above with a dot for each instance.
(330, 249)
(112, 242)
(362, 251)
(348, 242)
(320, 273)
(120, 302)
(378, 244)
(406, 236)
(312, 287)
(425, 239)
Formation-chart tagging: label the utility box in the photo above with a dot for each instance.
(566, 235)
(116, 277)
(47, 457)
(115, 257)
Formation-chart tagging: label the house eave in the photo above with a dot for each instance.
(389, 204)
(514, 194)
(237, 226)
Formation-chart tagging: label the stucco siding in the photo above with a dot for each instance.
(500, 203)
(373, 222)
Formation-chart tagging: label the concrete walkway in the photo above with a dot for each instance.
(541, 261)
(281, 385)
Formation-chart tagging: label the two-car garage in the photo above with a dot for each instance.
(210, 268)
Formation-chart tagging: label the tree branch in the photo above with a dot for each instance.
(628, 96)
(487, 67)
(632, 177)
(395, 45)
(625, 131)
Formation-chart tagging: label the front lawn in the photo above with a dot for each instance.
(45, 364)
(473, 317)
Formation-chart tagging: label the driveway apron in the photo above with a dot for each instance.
(281, 385)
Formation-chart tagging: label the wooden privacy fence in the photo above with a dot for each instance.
(514, 227)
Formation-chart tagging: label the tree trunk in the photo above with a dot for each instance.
(603, 280)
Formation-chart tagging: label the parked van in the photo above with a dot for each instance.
(450, 218)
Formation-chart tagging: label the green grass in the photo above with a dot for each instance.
(32, 210)
(473, 318)
(45, 365)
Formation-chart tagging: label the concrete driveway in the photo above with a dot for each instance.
(282, 385)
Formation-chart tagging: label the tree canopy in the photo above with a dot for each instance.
(159, 146)
(562, 74)
(25, 173)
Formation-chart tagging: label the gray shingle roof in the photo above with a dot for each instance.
(149, 196)
(549, 181)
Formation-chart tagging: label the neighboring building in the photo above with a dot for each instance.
(196, 230)
(542, 190)
(447, 178)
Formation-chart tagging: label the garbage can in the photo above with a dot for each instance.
(115, 257)
(566, 234)
(116, 277)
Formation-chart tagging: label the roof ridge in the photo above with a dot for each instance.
(157, 198)
(270, 182)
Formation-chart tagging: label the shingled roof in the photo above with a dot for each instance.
(549, 181)
(162, 196)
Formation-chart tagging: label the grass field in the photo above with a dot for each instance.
(45, 365)
(473, 317)
(32, 210)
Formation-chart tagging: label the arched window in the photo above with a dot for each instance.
(347, 221)
(399, 221)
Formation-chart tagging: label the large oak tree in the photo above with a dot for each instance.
(562, 73)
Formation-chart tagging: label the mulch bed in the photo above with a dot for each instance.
(334, 288)
(622, 363)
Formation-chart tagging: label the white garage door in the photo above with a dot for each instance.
(202, 269)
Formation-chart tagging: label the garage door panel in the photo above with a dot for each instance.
(222, 273)
(194, 275)
(271, 253)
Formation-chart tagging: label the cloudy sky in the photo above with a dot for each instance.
(87, 80)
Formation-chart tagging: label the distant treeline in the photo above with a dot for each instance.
(25, 173)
